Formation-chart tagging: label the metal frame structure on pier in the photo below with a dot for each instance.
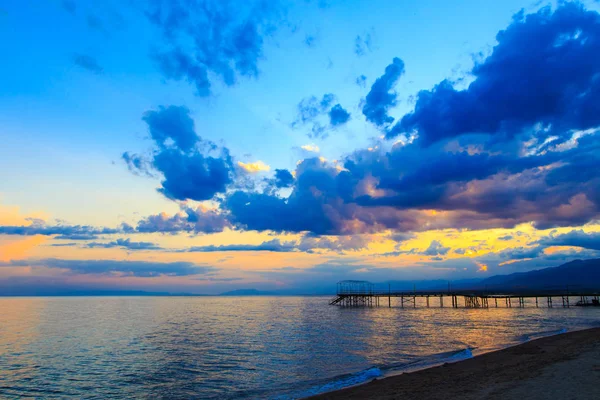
(363, 294)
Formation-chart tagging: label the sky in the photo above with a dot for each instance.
(202, 146)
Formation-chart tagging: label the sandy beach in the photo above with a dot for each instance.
(565, 366)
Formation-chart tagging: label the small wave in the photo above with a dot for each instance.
(336, 384)
(369, 374)
(461, 355)
(538, 335)
(429, 361)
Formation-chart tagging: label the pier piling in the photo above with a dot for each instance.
(362, 294)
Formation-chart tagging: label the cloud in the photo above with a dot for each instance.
(254, 167)
(76, 237)
(338, 116)
(310, 110)
(311, 107)
(172, 124)
(313, 148)
(520, 253)
(574, 238)
(187, 163)
(125, 244)
(199, 220)
(274, 245)
(212, 39)
(88, 63)
(377, 190)
(192, 220)
(309, 40)
(340, 244)
(462, 181)
(436, 249)
(64, 231)
(307, 244)
(363, 44)
(145, 269)
(381, 98)
(137, 164)
(283, 178)
(400, 237)
(194, 176)
(542, 75)
(361, 81)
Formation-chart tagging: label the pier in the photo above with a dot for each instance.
(363, 294)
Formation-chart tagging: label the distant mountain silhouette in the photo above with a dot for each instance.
(578, 274)
(247, 292)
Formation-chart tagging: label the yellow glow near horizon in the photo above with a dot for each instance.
(254, 266)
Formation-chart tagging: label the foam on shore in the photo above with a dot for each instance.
(377, 372)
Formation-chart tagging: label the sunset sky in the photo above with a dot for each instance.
(204, 145)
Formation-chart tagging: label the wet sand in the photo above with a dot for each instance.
(565, 366)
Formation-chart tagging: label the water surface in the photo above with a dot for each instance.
(239, 347)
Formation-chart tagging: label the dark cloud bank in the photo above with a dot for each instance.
(518, 144)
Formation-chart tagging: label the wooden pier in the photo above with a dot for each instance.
(362, 294)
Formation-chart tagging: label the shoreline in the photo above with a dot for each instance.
(565, 365)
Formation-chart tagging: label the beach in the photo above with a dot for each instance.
(565, 366)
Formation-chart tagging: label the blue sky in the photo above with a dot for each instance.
(81, 77)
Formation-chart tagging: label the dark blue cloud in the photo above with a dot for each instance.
(192, 168)
(338, 116)
(177, 65)
(143, 269)
(212, 37)
(64, 231)
(381, 97)
(189, 220)
(436, 249)
(575, 238)
(283, 178)
(521, 253)
(137, 164)
(88, 63)
(311, 109)
(480, 190)
(479, 181)
(542, 76)
(172, 124)
(194, 176)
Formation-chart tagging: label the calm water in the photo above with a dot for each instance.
(240, 347)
